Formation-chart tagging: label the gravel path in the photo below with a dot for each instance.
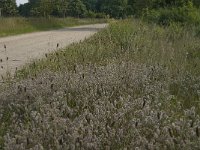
(22, 49)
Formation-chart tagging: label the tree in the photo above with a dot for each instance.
(115, 8)
(90, 4)
(45, 7)
(196, 3)
(76, 8)
(9, 7)
(24, 10)
(41, 7)
(34, 8)
(60, 8)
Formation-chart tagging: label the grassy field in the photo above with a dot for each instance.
(12, 26)
(133, 85)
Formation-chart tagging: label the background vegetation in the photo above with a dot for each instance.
(19, 25)
(159, 11)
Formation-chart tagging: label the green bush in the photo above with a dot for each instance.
(101, 15)
(90, 14)
(186, 14)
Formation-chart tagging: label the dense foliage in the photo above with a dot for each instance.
(159, 11)
(9, 7)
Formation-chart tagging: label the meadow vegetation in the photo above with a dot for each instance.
(19, 25)
(132, 85)
(186, 14)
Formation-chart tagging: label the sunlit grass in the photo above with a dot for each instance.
(19, 25)
(173, 47)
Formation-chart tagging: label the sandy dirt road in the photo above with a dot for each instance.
(16, 51)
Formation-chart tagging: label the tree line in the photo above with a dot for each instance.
(89, 8)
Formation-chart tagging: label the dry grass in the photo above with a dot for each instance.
(132, 85)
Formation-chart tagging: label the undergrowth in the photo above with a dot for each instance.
(133, 85)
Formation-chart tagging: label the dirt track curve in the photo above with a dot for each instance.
(22, 49)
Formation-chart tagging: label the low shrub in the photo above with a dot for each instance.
(164, 16)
